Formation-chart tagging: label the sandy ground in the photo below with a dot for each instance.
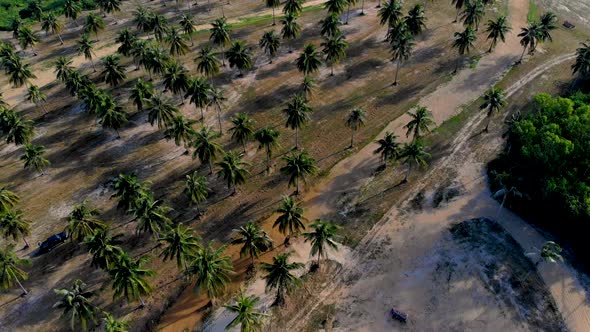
(577, 10)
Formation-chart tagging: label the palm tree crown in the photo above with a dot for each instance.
(114, 71)
(34, 157)
(76, 305)
(279, 276)
(355, 120)
(129, 278)
(497, 30)
(298, 166)
(415, 20)
(206, 149)
(334, 49)
(211, 269)
(8, 199)
(420, 123)
(389, 148)
(180, 243)
(582, 64)
(309, 60)
(10, 266)
(297, 113)
(82, 222)
(267, 139)
(13, 225)
(247, 317)
(494, 101)
(253, 240)
(104, 248)
(207, 63)
(321, 238)
(239, 56)
(270, 43)
(242, 130)
(232, 169)
(290, 220)
(196, 188)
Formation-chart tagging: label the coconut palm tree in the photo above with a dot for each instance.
(548, 23)
(180, 243)
(51, 23)
(76, 305)
(206, 149)
(232, 170)
(253, 240)
(10, 266)
(161, 111)
(199, 93)
(321, 238)
(109, 6)
(472, 14)
(93, 24)
(297, 113)
(35, 8)
(414, 153)
(129, 278)
(114, 71)
(389, 148)
(529, 38)
(307, 87)
(464, 43)
(27, 38)
(158, 24)
(290, 221)
(63, 67)
(293, 7)
(272, 4)
(210, 268)
(103, 247)
(355, 120)
(33, 157)
(291, 29)
(390, 13)
(497, 30)
(416, 20)
(86, 47)
(330, 26)
(176, 78)
(220, 31)
(181, 130)
(187, 24)
(494, 101)
(17, 130)
(216, 97)
(279, 276)
(72, 9)
(142, 17)
(267, 139)
(239, 56)
(582, 64)
(8, 199)
(247, 317)
(397, 32)
(15, 25)
(13, 225)
(270, 43)
(335, 7)
(242, 130)
(141, 92)
(334, 49)
(82, 222)
(128, 189)
(207, 63)
(35, 96)
(176, 41)
(401, 50)
(113, 325)
(459, 4)
(420, 123)
(349, 3)
(114, 118)
(309, 61)
(151, 215)
(19, 73)
(196, 189)
(298, 166)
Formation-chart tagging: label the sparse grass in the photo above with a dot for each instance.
(532, 14)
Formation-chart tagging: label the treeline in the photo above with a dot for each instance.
(26, 11)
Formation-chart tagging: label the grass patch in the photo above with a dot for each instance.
(532, 14)
(13, 9)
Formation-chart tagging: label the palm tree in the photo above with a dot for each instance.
(180, 243)
(414, 153)
(82, 222)
(330, 26)
(13, 225)
(494, 101)
(196, 189)
(211, 269)
(220, 35)
(76, 305)
(232, 170)
(113, 325)
(35, 96)
(291, 29)
(459, 4)
(390, 13)
(297, 112)
(207, 63)
(142, 18)
(334, 49)
(205, 148)
(63, 67)
(298, 166)
(349, 3)
(103, 247)
(93, 24)
(279, 276)
(290, 220)
(239, 56)
(35, 8)
(199, 92)
(270, 43)
(472, 14)
(551, 252)
(72, 9)
(272, 4)
(18, 130)
(416, 20)
(176, 78)
(309, 61)
(86, 47)
(464, 42)
(401, 50)
(161, 111)
(19, 73)
(33, 157)
(388, 149)
(158, 24)
(52, 23)
(582, 64)
(15, 25)
(114, 118)
(187, 24)
(267, 138)
(530, 37)
(129, 278)
(141, 92)
(547, 23)
(335, 7)
(128, 189)
(216, 97)
(151, 214)
(293, 7)
(181, 130)
(109, 6)
(114, 71)
(420, 122)
(497, 30)
(8, 199)
(307, 87)
(321, 238)
(253, 240)
(27, 38)
(355, 120)
(176, 41)
(242, 130)
(11, 272)
(247, 317)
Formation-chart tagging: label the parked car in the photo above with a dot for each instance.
(52, 242)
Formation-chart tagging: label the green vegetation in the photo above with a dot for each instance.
(532, 14)
(13, 9)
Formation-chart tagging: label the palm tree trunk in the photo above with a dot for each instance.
(296, 138)
(457, 64)
(408, 172)
(352, 138)
(202, 116)
(502, 204)
(397, 71)
(363, 7)
(244, 146)
(273, 16)
(219, 120)
(347, 13)
(26, 243)
(61, 40)
(319, 256)
(522, 55)
(297, 186)
(208, 5)
(44, 108)
(93, 67)
(21, 287)
(210, 167)
(222, 56)
(331, 69)
(142, 303)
